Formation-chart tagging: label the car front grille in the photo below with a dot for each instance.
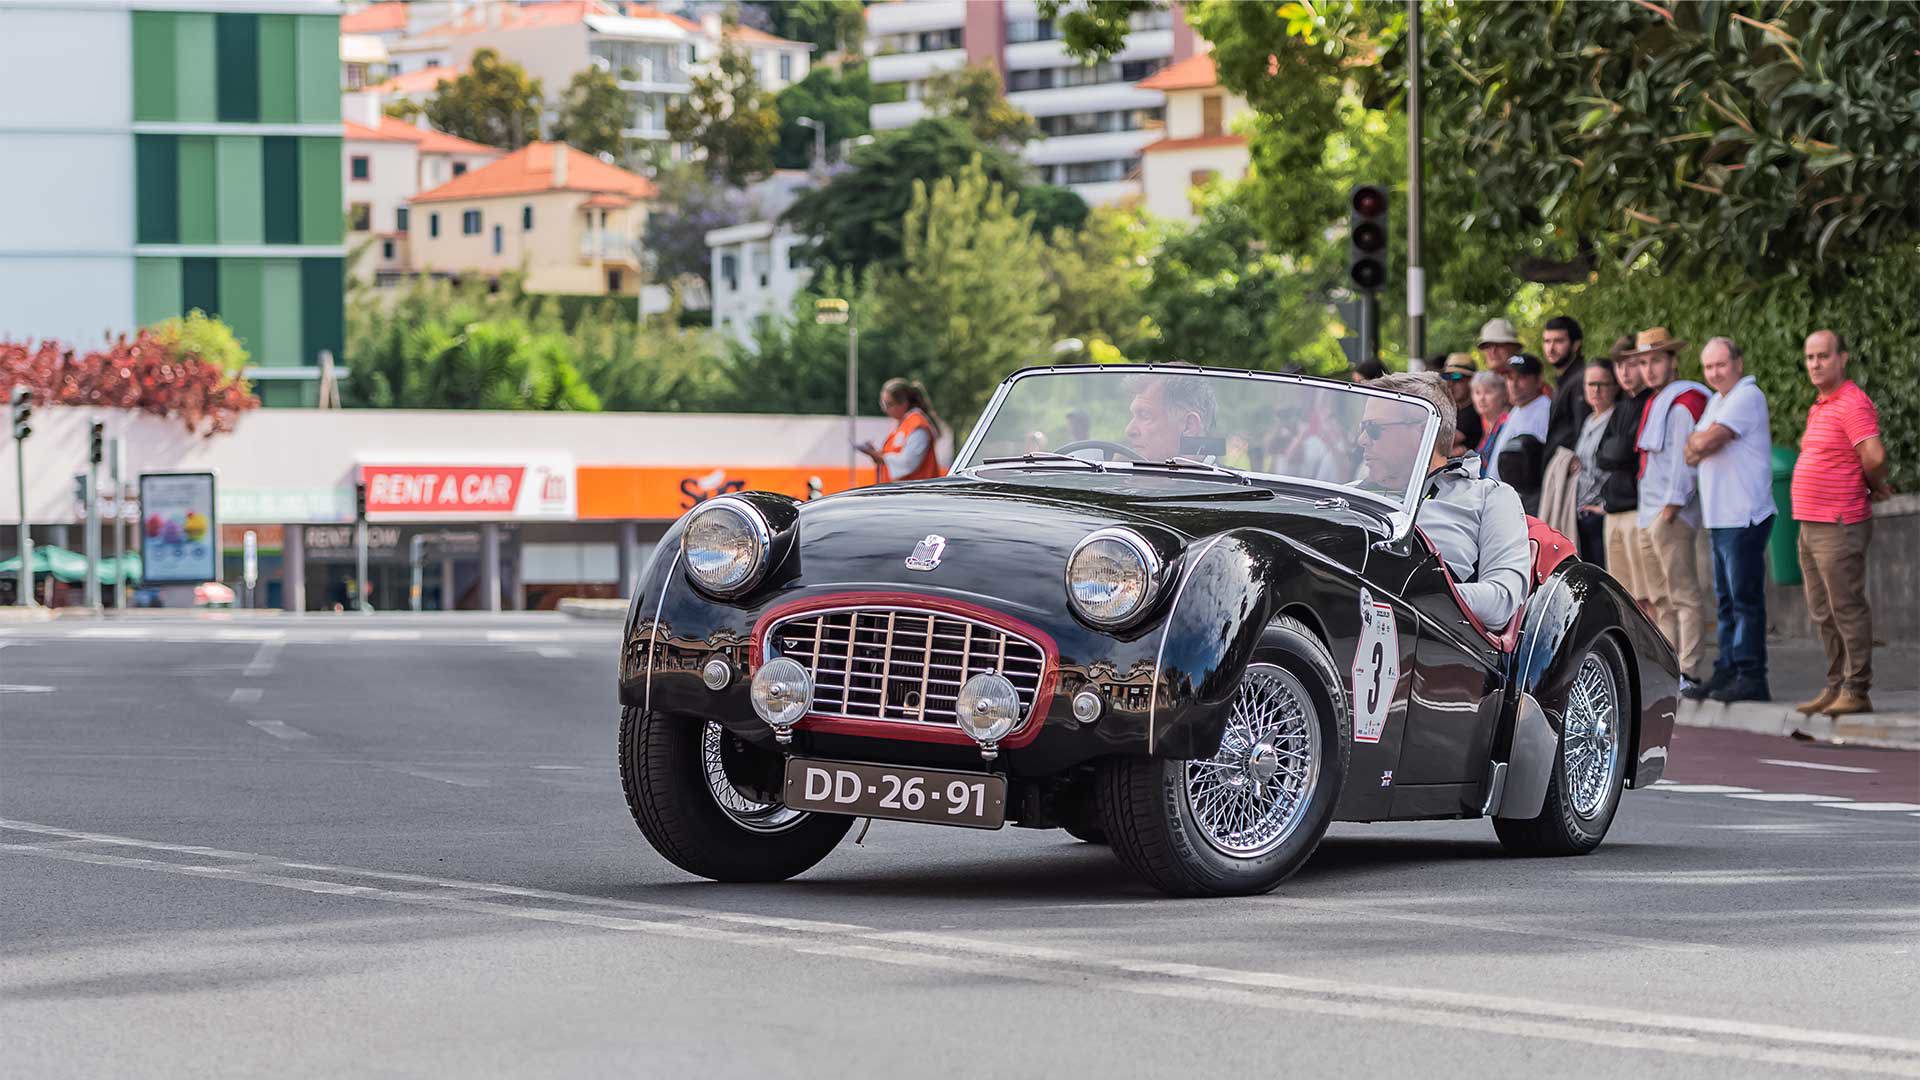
(902, 664)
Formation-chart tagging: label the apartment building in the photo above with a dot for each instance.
(1094, 119)
(756, 266)
(386, 162)
(1200, 144)
(165, 155)
(570, 221)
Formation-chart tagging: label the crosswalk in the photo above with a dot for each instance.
(1833, 802)
(331, 631)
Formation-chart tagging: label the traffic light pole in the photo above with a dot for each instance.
(24, 597)
(360, 552)
(118, 465)
(93, 534)
(1416, 272)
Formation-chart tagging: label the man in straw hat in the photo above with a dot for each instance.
(1669, 517)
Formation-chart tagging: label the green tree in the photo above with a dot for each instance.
(492, 102)
(841, 99)
(829, 25)
(974, 96)
(1097, 274)
(728, 116)
(795, 364)
(205, 336)
(593, 113)
(855, 219)
(971, 302)
(691, 204)
(436, 346)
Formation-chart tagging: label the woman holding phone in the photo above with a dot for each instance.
(908, 450)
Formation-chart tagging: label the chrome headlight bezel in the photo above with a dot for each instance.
(1152, 567)
(753, 526)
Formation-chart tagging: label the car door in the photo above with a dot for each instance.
(1456, 695)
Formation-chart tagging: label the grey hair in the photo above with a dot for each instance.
(1489, 377)
(1733, 351)
(1427, 385)
(1178, 393)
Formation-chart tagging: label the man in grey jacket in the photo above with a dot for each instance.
(1476, 524)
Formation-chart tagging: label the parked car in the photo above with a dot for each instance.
(1199, 630)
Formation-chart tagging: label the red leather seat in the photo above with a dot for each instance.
(1550, 549)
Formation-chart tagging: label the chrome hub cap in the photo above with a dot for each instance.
(1591, 746)
(1248, 798)
(746, 812)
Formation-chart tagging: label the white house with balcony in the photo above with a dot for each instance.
(756, 267)
(1200, 144)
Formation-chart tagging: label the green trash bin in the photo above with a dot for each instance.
(1783, 543)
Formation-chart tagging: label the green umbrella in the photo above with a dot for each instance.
(71, 566)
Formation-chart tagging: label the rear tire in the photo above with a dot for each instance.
(1589, 771)
(1243, 821)
(675, 801)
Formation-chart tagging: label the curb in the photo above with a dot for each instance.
(1892, 731)
(15, 614)
(583, 608)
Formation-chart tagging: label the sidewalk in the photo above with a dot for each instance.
(1798, 671)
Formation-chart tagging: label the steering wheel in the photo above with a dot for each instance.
(1111, 448)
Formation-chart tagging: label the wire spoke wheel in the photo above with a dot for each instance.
(745, 811)
(1251, 795)
(1590, 747)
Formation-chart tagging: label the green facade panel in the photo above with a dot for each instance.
(279, 96)
(243, 301)
(200, 285)
(154, 75)
(156, 290)
(195, 54)
(322, 206)
(322, 308)
(198, 193)
(242, 186)
(317, 69)
(280, 334)
(238, 82)
(156, 167)
(280, 181)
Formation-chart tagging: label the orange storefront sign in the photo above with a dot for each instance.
(636, 493)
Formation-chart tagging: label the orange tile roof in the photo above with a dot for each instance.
(416, 82)
(748, 33)
(1198, 142)
(530, 169)
(375, 19)
(1193, 73)
(393, 129)
(439, 142)
(608, 201)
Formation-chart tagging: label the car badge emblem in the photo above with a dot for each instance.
(926, 554)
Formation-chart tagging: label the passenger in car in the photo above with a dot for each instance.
(1476, 524)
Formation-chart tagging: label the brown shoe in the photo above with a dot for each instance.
(1819, 704)
(1848, 703)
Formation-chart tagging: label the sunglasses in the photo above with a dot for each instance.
(1373, 429)
(1455, 376)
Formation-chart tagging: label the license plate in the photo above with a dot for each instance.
(974, 800)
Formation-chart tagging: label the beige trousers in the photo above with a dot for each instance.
(1833, 560)
(1623, 556)
(1670, 569)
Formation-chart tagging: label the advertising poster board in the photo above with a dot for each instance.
(179, 536)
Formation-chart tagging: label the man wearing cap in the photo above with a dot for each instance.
(1457, 373)
(1517, 457)
(1669, 516)
(1498, 343)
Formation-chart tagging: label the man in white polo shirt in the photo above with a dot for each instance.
(1733, 448)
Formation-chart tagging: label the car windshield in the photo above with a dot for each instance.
(1268, 427)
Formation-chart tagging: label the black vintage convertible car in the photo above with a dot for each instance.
(1186, 612)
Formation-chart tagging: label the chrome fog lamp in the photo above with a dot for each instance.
(1086, 706)
(782, 692)
(726, 545)
(987, 710)
(717, 673)
(1112, 576)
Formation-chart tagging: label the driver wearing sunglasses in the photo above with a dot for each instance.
(1476, 524)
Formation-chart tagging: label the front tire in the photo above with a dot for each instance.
(1589, 770)
(677, 788)
(1241, 822)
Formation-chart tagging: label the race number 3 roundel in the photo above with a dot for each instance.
(1376, 669)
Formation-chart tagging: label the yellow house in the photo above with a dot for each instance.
(570, 220)
(1199, 145)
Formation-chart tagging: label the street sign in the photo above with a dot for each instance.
(830, 312)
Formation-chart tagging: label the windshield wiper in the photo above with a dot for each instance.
(1044, 455)
(1196, 463)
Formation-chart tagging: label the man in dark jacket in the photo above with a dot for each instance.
(1561, 344)
(1619, 454)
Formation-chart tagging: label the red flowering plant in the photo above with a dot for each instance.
(147, 373)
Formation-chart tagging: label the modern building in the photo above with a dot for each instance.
(502, 510)
(166, 155)
(1094, 119)
(1199, 144)
(756, 268)
(387, 162)
(572, 222)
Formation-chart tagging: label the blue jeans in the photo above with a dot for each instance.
(1740, 585)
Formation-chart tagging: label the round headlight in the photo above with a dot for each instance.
(782, 692)
(988, 708)
(726, 546)
(1111, 576)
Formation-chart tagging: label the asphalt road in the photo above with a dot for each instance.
(393, 846)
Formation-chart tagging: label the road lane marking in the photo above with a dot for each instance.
(1820, 765)
(1791, 796)
(455, 779)
(128, 632)
(249, 635)
(522, 636)
(1456, 1010)
(1874, 807)
(24, 688)
(384, 635)
(1703, 789)
(555, 652)
(280, 730)
(245, 695)
(1487, 925)
(264, 658)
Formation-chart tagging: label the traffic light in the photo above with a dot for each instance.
(1367, 237)
(360, 502)
(96, 442)
(22, 412)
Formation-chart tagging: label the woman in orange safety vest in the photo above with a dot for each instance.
(908, 451)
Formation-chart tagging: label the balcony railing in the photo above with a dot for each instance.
(608, 247)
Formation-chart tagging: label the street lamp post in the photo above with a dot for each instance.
(1416, 273)
(833, 312)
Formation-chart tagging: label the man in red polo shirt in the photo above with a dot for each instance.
(1842, 469)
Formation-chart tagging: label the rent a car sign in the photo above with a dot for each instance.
(534, 490)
